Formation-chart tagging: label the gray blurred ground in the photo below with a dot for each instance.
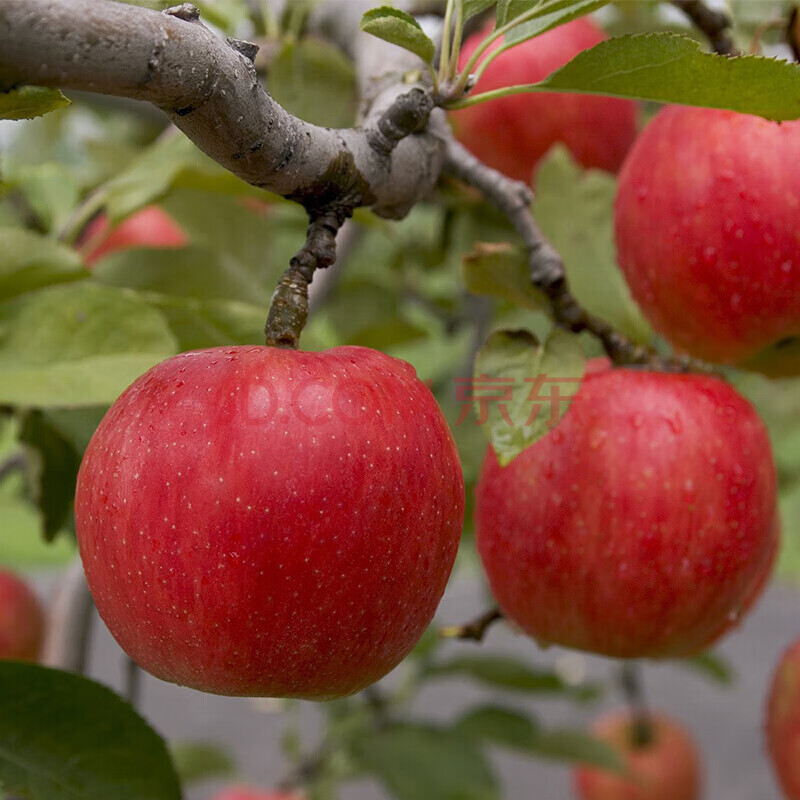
(725, 720)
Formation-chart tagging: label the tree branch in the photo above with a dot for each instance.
(714, 23)
(513, 199)
(210, 90)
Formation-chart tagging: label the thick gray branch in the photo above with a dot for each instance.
(210, 90)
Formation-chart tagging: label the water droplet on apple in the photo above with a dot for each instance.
(637, 420)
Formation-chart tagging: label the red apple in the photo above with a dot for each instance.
(21, 619)
(512, 133)
(150, 227)
(265, 522)
(246, 793)
(707, 229)
(641, 526)
(783, 722)
(665, 768)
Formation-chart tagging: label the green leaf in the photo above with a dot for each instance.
(315, 81)
(474, 7)
(63, 737)
(77, 345)
(416, 762)
(671, 68)
(28, 102)
(199, 761)
(549, 16)
(53, 466)
(50, 189)
(400, 28)
(521, 389)
(573, 745)
(500, 269)
(173, 161)
(30, 261)
(574, 209)
(498, 725)
(506, 672)
(711, 665)
(227, 15)
(508, 10)
(21, 544)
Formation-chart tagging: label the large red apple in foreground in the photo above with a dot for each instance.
(512, 133)
(149, 227)
(21, 619)
(708, 234)
(258, 521)
(665, 768)
(783, 722)
(641, 526)
(245, 793)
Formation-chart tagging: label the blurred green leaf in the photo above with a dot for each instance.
(574, 209)
(50, 189)
(64, 737)
(227, 15)
(789, 563)
(501, 270)
(21, 543)
(507, 672)
(671, 68)
(77, 344)
(27, 102)
(416, 762)
(53, 469)
(573, 745)
(517, 386)
(711, 665)
(314, 80)
(398, 27)
(498, 725)
(198, 761)
(30, 261)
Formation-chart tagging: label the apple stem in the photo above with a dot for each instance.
(630, 680)
(475, 630)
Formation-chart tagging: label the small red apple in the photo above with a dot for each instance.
(707, 221)
(512, 133)
(246, 793)
(665, 768)
(641, 526)
(21, 619)
(783, 722)
(266, 522)
(149, 227)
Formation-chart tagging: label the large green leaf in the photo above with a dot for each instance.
(506, 672)
(416, 762)
(574, 209)
(315, 81)
(475, 7)
(27, 102)
(400, 28)
(63, 737)
(521, 388)
(671, 68)
(508, 10)
(77, 344)
(30, 261)
(550, 15)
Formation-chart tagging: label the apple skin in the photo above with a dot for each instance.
(245, 793)
(641, 526)
(21, 619)
(512, 133)
(149, 227)
(264, 522)
(707, 216)
(782, 726)
(668, 768)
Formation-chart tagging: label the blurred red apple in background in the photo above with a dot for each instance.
(642, 525)
(665, 768)
(512, 133)
(708, 234)
(247, 793)
(783, 722)
(21, 619)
